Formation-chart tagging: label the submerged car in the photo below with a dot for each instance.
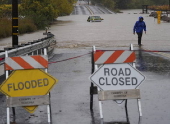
(94, 19)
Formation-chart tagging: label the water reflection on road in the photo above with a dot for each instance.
(153, 62)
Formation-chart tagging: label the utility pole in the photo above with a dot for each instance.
(14, 23)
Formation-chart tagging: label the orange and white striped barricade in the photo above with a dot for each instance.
(106, 59)
(27, 82)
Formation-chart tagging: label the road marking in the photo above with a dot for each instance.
(91, 12)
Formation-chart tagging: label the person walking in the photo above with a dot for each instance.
(138, 28)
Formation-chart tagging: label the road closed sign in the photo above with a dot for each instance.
(117, 77)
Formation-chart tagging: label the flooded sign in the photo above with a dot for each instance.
(117, 77)
(31, 82)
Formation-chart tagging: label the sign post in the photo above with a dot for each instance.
(14, 23)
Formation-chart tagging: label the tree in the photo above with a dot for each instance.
(64, 7)
(6, 11)
(3, 2)
(41, 11)
(44, 11)
(109, 3)
(129, 4)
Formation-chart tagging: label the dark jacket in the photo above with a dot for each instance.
(139, 26)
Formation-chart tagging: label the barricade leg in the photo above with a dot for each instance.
(13, 112)
(48, 106)
(92, 86)
(8, 115)
(91, 97)
(100, 110)
(8, 109)
(131, 47)
(48, 114)
(140, 111)
(138, 100)
(126, 110)
(100, 103)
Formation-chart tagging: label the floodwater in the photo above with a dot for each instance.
(75, 36)
(114, 30)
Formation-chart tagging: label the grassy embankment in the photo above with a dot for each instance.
(25, 25)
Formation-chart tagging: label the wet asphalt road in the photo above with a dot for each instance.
(70, 99)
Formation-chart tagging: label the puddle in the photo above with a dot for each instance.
(152, 62)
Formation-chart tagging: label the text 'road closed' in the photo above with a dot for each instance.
(117, 76)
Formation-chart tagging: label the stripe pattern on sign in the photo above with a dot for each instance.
(26, 62)
(119, 56)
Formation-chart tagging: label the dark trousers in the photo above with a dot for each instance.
(139, 38)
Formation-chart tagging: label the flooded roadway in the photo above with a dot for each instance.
(75, 36)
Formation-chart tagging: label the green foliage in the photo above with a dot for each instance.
(129, 4)
(64, 7)
(121, 4)
(6, 26)
(109, 3)
(33, 14)
(37, 11)
(26, 25)
(45, 11)
(3, 2)
(5, 10)
(7, 2)
(5, 20)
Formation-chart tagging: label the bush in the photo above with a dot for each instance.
(5, 11)
(26, 25)
(6, 27)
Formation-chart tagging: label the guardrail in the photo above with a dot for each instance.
(30, 48)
